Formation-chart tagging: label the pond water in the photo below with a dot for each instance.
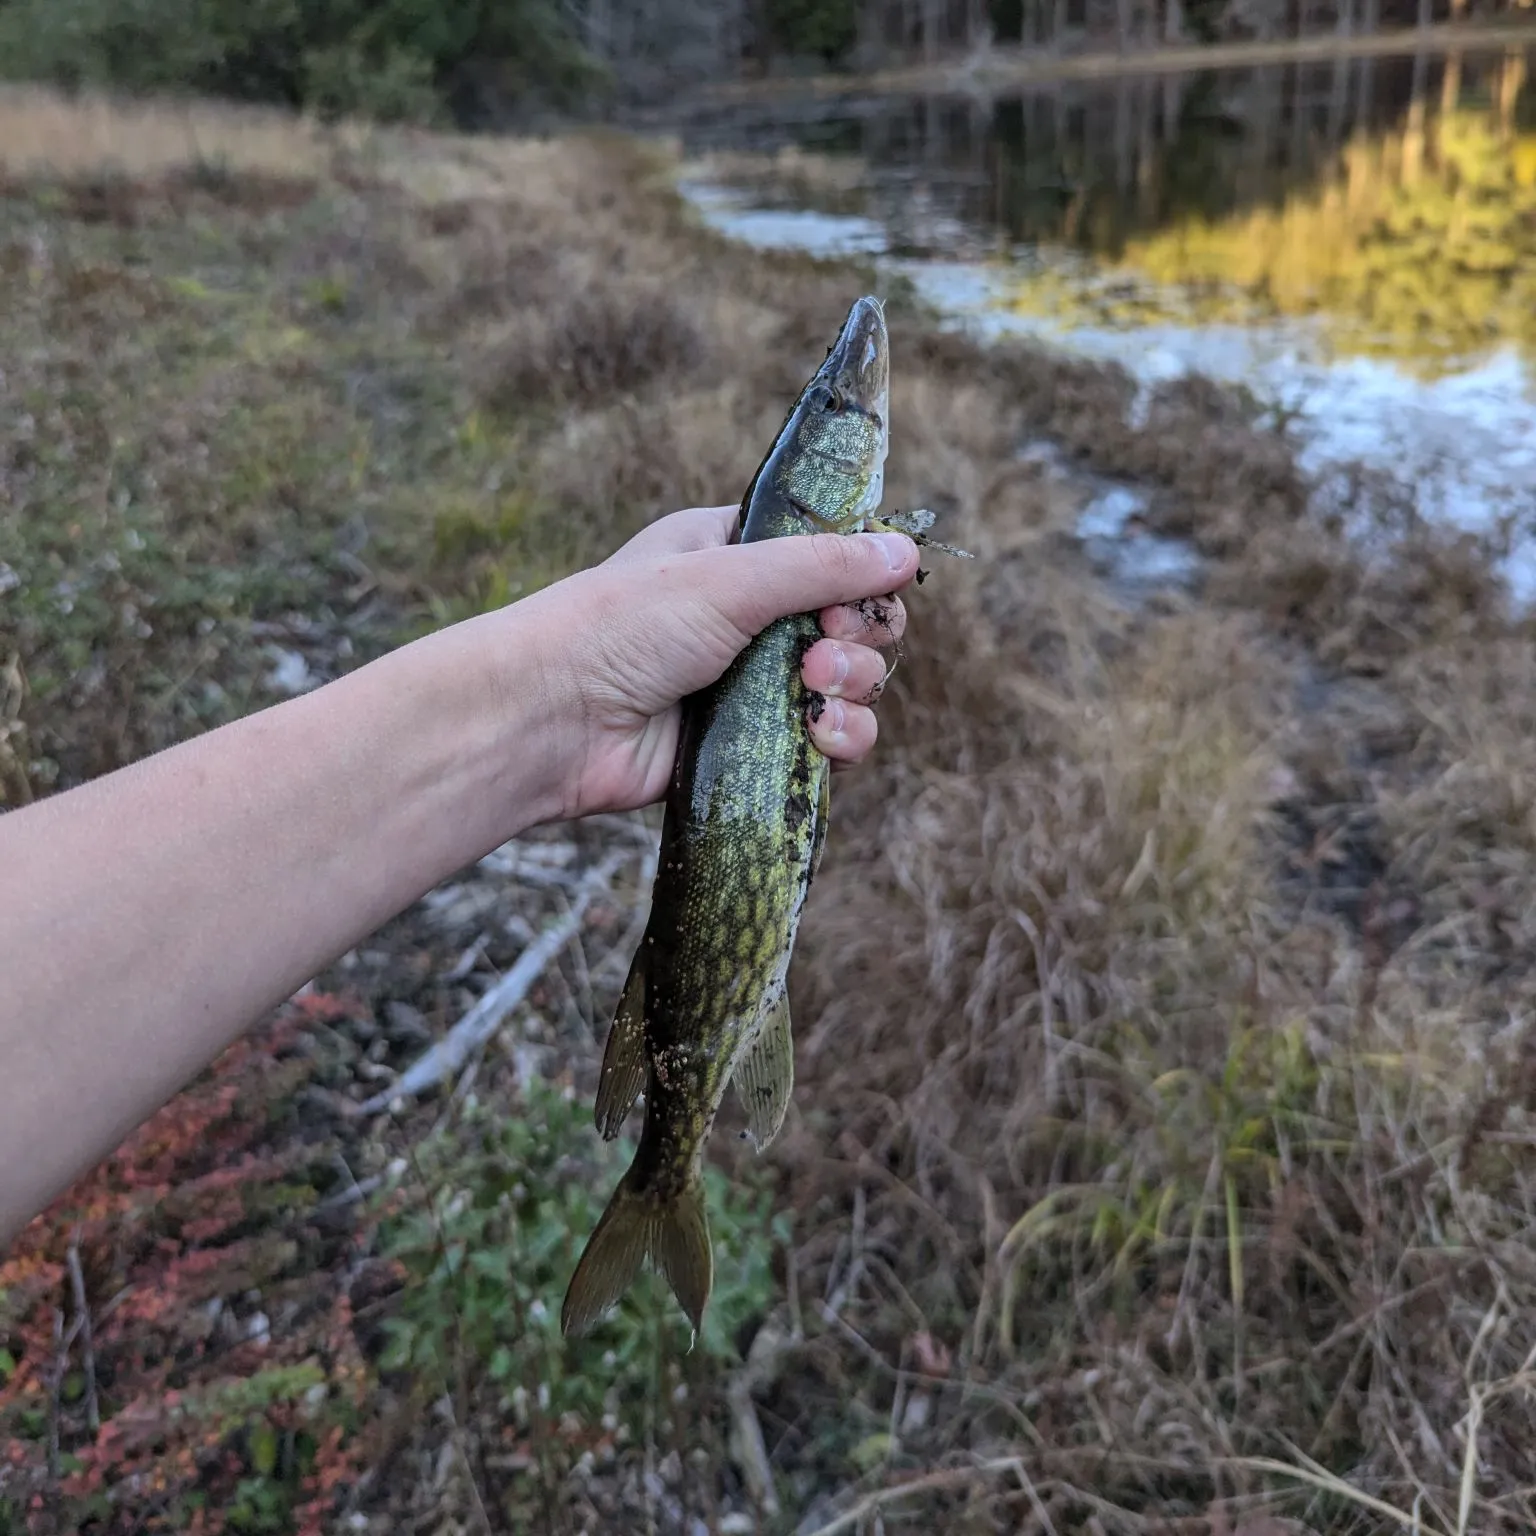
(1351, 240)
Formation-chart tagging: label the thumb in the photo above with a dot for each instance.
(754, 584)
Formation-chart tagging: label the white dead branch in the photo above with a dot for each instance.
(448, 1056)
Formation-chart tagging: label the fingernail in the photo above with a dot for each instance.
(839, 664)
(898, 548)
(827, 715)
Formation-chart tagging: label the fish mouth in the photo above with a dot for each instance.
(858, 366)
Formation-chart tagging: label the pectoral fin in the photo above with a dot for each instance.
(912, 523)
(624, 1062)
(915, 525)
(766, 1075)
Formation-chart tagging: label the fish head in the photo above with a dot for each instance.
(833, 467)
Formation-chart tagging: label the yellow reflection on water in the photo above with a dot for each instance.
(1418, 245)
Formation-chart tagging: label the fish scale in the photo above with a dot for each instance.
(746, 816)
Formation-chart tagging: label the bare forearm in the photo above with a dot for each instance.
(149, 917)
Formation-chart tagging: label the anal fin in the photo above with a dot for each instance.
(624, 1060)
(823, 813)
(766, 1074)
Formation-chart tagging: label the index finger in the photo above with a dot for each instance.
(679, 533)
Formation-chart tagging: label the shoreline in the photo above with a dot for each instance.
(1014, 65)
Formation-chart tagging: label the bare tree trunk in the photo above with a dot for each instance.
(1338, 95)
(1301, 126)
(1173, 22)
(1450, 83)
(1413, 128)
(599, 30)
(1173, 104)
(1366, 96)
(728, 36)
(1075, 160)
(1122, 24)
(1425, 11)
(1058, 24)
(873, 32)
(978, 26)
(1338, 99)
(932, 11)
(1122, 134)
(1511, 79)
(1146, 153)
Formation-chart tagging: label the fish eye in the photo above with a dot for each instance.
(832, 400)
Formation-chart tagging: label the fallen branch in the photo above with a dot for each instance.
(1035, 1493)
(931, 1482)
(56, 1391)
(761, 1369)
(87, 1345)
(449, 1055)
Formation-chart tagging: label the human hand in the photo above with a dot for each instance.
(622, 643)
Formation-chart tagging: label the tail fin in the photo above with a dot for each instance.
(636, 1226)
(680, 1247)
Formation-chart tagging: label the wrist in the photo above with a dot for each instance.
(534, 693)
(446, 751)
(509, 728)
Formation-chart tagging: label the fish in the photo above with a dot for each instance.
(744, 827)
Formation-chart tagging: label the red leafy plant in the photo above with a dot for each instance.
(177, 1348)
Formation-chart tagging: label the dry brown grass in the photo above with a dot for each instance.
(598, 344)
(1183, 1056)
(41, 131)
(1168, 1088)
(1147, 1010)
(835, 183)
(91, 136)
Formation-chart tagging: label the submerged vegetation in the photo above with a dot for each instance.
(1162, 1150)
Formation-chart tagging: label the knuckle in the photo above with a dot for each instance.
(841, 556)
